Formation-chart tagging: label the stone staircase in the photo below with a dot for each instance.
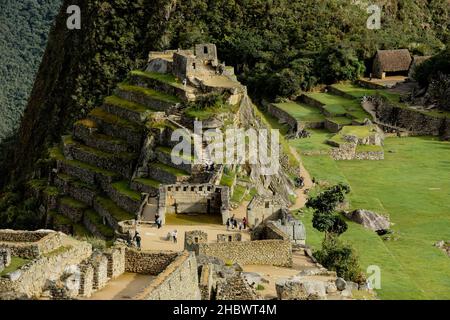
(95, 177)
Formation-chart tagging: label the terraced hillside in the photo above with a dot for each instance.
(99, 177)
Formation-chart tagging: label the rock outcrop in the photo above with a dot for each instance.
(369, 219)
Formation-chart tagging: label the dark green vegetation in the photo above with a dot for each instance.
(278, 47)
(24, 26)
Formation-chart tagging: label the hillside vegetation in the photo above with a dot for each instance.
(24, 27)
(277, 46)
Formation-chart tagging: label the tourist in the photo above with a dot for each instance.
(156, 219)
(240, 226)
(137, 238)
(159, 222)
(244, 223)
(175, 236)
(184, 82)
(235, 224)
(228, 224)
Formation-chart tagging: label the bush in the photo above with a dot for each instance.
(340, 257)
(426, 72)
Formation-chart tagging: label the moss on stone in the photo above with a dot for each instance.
(148, 182)
(116, 212)
(73, 203)
(97, 221)
(124, 188)
(176, 172)
(16, 264)
(126, 104)
(151, 93)
(114, 120)
(160, 77)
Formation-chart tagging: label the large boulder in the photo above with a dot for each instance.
(300, 289)
(369, 219)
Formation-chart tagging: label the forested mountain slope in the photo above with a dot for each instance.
(278, 47)
(24, 27)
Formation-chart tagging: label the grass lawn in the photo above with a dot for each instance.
(412, 185)
(16, 264)
(157, 95)
(301, 111)
(185, 219)
(315, 143)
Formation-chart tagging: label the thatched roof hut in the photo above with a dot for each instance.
(391, 61)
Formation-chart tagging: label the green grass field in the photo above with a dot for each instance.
(412, 185)
(301, 111)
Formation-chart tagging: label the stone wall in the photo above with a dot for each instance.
(418, 122)
(5, 258)
(235, 288)
(30, 280)
(206, 281)
(29, 244)
(192, 238)
(147, 262)
(264, 252)
(86, 280)
(229, 237)
(261, 209)
(284, 116)
(116, 261)
(178, 281)
(99, 264)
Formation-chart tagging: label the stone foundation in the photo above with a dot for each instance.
(147, 262)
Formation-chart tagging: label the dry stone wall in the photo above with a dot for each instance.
(178, 281)
(29, 244)
(147, 262)
(264, 252)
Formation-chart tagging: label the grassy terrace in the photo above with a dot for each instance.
(412, 185)
(168, 151)
(160, 77)
(238, 193)
(16, 264)
(301, 111)
(126, 104)
(228, 179)
(56, 154)
(358, 92)
(153, 94)
(207, 113)
(71, 202)
(123, 188)
(338, 105)
(118, 213)
(68, 140)
(176, 172)
(340, 120)
(95, 219)
(110, 118)
(148, 182)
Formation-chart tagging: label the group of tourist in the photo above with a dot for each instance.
(233, 223)
(158, 221)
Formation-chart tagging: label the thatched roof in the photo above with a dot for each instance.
(393, 60)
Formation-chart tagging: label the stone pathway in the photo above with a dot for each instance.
(124, 287)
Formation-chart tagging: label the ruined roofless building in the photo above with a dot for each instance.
(186, 64)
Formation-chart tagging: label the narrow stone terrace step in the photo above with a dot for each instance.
(85, 132)
(71, 208)
(122, 163)
(145, 185)
(186, 163)
(126, 109)
(163, 82)
(117, 127)
(126, 198)
(83, 171)
(167, 174)
(94, 223)
(150, 98)
(112, 213)
(75, 188)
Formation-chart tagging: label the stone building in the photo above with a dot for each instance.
(263, 208)
(391, 62)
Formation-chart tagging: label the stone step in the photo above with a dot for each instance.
(125, 197)
(147, 97)
(95, 224)
(122, 163)
(145, 185)
(167, 174)
(184, 163)
(84, 131)
(71, 208)
(76, 189)
(126, 109)
(116, 127)
(163, 82)
(112, 213)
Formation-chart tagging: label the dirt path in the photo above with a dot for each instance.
(301, 196)
(124, 287)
